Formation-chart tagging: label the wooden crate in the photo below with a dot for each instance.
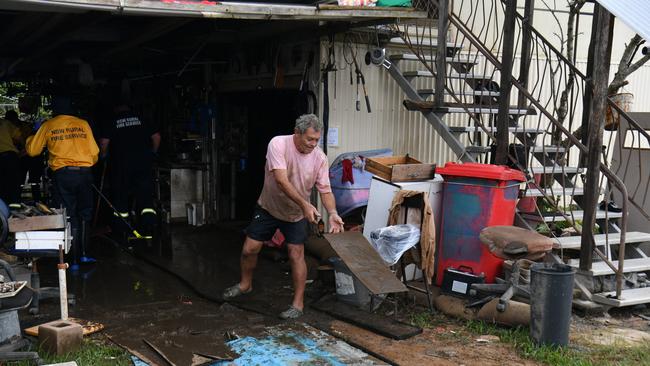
(48, 222)
(400, 168)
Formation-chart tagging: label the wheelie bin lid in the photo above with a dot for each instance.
(477, 170)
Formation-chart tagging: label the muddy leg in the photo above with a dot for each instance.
(248, 262)
(298, 273)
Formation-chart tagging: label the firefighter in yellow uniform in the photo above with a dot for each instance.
(72, 151)
(10, 183)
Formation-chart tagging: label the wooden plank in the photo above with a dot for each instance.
(36, 223)
(419, 106)
(132, 351)
(400, 168)
(378, 169)
(411, 160)
(392, 160)
(159, 352)
(87, 327)
(365, 263)
(382, 325)
(412, 172)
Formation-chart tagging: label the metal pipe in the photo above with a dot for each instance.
(441, 51)
(63, 287)
(506, 84)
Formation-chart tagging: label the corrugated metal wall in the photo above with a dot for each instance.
(388, 125)
(391, 125)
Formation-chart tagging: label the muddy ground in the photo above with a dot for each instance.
(168, 293)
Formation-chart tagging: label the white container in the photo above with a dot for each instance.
(381, 196)
(43, 240)
(195, 213)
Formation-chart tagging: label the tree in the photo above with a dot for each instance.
(626, 65)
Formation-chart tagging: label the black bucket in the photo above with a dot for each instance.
(551, 293)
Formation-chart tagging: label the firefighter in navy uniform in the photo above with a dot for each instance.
(72, 151)
(131, 145)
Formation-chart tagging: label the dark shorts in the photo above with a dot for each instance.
(263, 226)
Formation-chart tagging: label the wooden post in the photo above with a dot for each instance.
(506, 83)
(441, 52)
(525, 49)
(601, 42)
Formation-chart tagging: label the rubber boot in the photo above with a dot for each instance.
(36, 191)
(148, 224)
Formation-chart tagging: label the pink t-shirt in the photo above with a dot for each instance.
(304, 171)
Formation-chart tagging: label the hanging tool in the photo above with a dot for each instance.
(101, 188)
(304, 82)
(136, 234)
(327, 68)
(357, 102)
(363, 84)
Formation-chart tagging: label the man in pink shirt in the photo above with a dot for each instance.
(294, 165)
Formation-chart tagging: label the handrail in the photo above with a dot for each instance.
(548, 44)
(565, 63)
(629, 119)
(603, 168)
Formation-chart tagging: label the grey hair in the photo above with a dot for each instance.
(308, 120)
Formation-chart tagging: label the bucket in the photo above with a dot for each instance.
(350, 290)
(612, 117)
(551, 293)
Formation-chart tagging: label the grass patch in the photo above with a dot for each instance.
(94, 351)
(423, 319)
(574, 355)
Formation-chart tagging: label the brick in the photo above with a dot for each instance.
(60, 337)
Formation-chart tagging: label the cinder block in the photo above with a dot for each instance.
(60, 336)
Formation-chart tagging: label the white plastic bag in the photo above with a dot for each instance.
(392, 241)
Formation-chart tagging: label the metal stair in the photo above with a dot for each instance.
(476, 93)
(573, 242)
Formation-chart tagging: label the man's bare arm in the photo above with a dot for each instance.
(335, 221)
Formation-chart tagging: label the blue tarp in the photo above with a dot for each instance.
(289, 349)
